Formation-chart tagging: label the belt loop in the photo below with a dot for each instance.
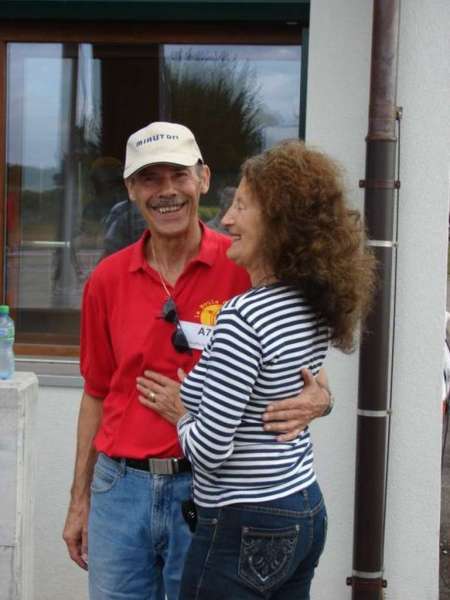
(121, 464)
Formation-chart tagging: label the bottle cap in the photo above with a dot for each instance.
(4, 309)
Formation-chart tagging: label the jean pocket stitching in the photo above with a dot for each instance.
(210, 522)
(272, 511)
(317, 508)
(214, 523)
(266, 555)
(104, 480)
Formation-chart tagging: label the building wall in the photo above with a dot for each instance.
(338, 93)
(424, 88)
(340, 40)
(55, 576)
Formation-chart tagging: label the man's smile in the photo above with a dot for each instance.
(168, 207)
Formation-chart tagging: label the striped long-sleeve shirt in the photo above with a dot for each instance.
(261, 341)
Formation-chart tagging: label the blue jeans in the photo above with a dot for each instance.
(137, 536)
(253, 551)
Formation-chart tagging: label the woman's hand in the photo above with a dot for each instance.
(161, 394)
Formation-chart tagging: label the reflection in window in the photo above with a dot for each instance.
(238, 100)
(71, 109)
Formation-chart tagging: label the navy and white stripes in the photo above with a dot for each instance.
(261, 341)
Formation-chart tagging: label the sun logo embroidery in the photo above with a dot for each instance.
(208, 311)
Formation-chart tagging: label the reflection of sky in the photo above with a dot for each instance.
(39, 83)
(34, 107)
(277, 70)
(39, 94)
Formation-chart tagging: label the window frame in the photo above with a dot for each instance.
(158, 10)
(130, 32)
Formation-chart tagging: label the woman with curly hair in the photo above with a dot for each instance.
(261, 518)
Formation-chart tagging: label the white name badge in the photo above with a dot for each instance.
(198, 335)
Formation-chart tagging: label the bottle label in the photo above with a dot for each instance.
(7, 333)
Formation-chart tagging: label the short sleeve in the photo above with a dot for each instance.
(97, 363)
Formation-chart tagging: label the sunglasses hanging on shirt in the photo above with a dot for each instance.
(170, 314)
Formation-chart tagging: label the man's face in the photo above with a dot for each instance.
(168, 196)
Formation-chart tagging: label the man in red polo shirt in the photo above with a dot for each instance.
(151, 306)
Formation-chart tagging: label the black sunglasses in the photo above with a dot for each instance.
(170, 314)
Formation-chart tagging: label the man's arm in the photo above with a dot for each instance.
(75, 528)
(289, 417)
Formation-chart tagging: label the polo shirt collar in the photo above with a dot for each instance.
(208, 249)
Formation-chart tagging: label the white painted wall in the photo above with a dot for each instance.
(56, 576)
(337, 121)
(18, 403)
(424, 91)
(340, 40)
(337, 103)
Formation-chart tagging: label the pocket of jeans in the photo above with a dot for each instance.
(104, 480)
(266, 555)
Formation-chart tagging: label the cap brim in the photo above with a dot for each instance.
(180, 160)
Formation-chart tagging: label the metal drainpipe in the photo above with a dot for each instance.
(376, 348)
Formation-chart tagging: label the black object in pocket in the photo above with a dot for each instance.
(189, 514)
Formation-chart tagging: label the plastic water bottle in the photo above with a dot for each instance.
(6, 343)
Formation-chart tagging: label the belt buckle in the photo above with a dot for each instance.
(162, 466)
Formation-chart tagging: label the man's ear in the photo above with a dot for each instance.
(205, 177)
(129, 184)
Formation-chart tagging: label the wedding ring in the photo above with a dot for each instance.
(151, 395)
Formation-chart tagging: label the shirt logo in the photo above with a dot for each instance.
(208, 311)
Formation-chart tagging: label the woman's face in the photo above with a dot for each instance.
(244, 223)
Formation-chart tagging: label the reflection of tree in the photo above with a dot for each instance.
(219, 100)
(84, 148)
(79, 171)
(37, 201)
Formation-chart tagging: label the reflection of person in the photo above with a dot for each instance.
(123, 225)
(96, 225)
(121, 222)
(261, 517)
(150, 305)
(108, 188)
(225, 199)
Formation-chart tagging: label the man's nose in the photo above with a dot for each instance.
(166, 187)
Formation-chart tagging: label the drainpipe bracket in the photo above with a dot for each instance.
(382, 243)
(361, 412)
(379, 184)
(372, 585)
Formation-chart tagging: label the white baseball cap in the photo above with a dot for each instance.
(161, 142)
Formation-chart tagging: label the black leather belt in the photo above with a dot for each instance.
(157, 466)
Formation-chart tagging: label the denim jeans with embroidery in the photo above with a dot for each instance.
(249, 551)
(137, 538)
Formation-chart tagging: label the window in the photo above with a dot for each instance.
(70, 107)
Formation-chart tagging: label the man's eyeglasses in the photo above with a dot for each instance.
(170, 314)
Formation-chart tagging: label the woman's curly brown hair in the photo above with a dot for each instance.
(311, 239)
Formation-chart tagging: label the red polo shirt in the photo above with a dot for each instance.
(122, 334)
